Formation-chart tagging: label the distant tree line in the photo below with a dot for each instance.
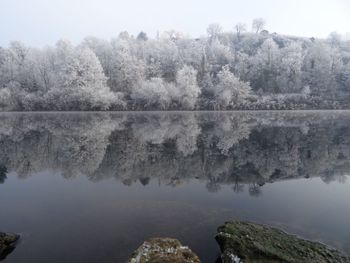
(224, 70)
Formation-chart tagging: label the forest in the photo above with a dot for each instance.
(243, 69)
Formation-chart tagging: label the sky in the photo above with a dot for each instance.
(42, 22)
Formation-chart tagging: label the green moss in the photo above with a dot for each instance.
(257, 243)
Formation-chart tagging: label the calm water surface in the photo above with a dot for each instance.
(91, 187)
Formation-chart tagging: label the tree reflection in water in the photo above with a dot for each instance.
(242, 149)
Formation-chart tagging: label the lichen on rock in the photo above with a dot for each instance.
(163, 250)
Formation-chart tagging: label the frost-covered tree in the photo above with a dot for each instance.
(5, 99)
(346, 77)
(334, 39)
(187, 87)
(229, 89)
(126, 69)
(20, 74)
(162, 59)
(103, 50)
(217, 56)
(171, 35)
(191, 52)
(81, 83)
(152, 94)
(322, 66)
(266, 65)
(240, 28)
(142, 36)
(258, 25)
(214, 30)
(290, 68)
(283, 71)
(17, 65)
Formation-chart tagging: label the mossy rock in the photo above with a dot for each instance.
(163, 250)
(248, 242)
(7, 244)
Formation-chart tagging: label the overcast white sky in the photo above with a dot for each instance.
(41, 22)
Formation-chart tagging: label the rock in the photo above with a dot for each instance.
(163, 250)
(7, 244)
(249, 242)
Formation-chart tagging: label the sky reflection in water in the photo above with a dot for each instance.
(90, 187)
